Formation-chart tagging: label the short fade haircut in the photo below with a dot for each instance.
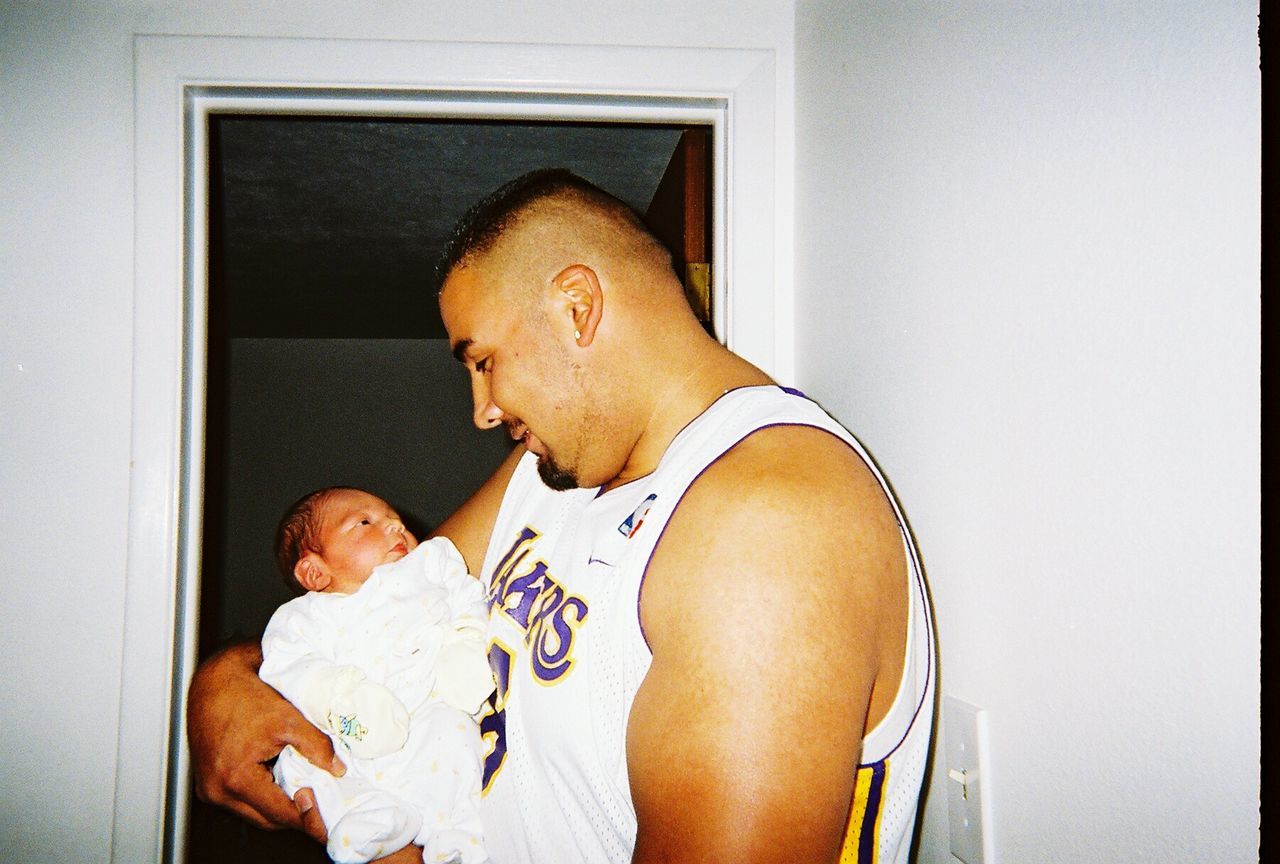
(486, 221)
(298, 531)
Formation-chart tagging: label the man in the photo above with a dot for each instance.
(708, 625)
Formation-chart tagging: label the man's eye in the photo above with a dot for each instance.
(482, 366)
(363, 522)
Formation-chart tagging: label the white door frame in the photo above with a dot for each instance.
(179, 81)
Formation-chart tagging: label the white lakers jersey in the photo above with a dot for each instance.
(563, 574)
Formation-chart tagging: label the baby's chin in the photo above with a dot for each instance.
(346, 586)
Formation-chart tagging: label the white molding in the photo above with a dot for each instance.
(178, 81)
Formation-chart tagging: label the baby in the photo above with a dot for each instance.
(386, 653)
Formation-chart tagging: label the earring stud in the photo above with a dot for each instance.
(577, 334)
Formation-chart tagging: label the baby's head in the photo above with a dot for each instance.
(331, 539)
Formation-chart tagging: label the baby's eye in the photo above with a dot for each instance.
(364, 522)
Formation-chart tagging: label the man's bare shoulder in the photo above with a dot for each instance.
(793, 463)
(804, 489)
(787, 509)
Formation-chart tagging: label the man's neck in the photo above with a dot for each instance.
(678, 403)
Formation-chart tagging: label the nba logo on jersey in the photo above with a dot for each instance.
(632, 523)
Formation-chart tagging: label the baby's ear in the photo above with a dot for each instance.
(310, 573)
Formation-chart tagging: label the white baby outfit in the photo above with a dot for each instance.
(394, 673)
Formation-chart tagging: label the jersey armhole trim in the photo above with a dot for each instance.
(644, 575)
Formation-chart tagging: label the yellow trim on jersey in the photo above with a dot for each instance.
(871, 784)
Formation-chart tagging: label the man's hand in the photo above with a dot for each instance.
(235, 724)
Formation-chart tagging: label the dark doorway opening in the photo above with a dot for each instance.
(327, 361)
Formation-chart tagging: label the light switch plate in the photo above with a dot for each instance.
(968, 808)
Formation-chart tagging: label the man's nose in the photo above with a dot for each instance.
(485, 414)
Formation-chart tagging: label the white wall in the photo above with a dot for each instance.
(66, 287)
(1028, 278)
(1027, 246)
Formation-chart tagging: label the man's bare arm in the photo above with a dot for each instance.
(775, 607)
(471, 524)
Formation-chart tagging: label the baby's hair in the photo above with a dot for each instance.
(299, 530)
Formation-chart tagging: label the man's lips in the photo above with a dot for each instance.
(520, 433)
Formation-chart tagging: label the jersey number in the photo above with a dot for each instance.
(493, 726)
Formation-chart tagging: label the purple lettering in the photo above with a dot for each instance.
(517, 599)
(540, 606)
(508, 563)
(548, 601)
(550, 664)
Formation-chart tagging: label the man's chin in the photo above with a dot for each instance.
(555, 477)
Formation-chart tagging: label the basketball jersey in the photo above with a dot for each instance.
(563, 574)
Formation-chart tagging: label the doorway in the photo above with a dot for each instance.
(181, 81)
(327, 362)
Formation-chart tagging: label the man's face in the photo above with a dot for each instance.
(359, 531)
(521, 377)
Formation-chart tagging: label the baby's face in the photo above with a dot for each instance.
(359, 531)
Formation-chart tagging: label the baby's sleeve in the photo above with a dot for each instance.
(361, 714)
(463, 677)
(463, 592)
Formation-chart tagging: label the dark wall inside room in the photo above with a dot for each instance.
(389, 415)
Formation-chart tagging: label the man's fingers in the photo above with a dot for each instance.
(254, 795)
(249, 814)
(314, 746)
(305, 801)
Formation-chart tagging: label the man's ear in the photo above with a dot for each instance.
(580, 291)
(310, 573)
